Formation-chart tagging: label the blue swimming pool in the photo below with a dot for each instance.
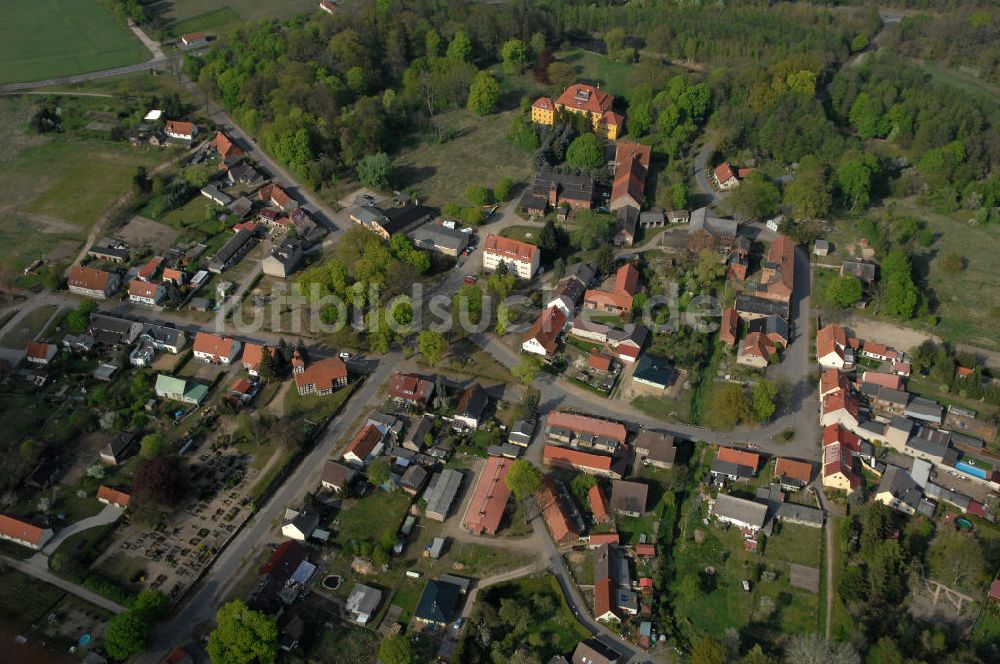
(970, 470)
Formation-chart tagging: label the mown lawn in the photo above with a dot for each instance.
(795, 543)
(595, 68)
(373, 517)
(249, 10)
(51, 38)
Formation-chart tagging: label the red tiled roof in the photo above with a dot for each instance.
(739, 457)
(599, 298)
(225, 146)
(253, 354)
(172, 274)
(832, 380)
(364, 442)
(82, 276)
(995, 589)
(576, 458)
(837, 459)
(835, 433)
(178, 655)
(598, 504)
(781, 258)
(180, 127)
(723, 172)
(274, 193)
(140, 288)
(21, 530)
(543, 103)
(213, 344)
(242, 386)
(510, 249)
(891, 381)
(193, 36)
(410, 388)
(627, 279)
(603, 598)
(322, 374)
(757, 344)
(490, 497)
(36, 350)
(598, 361)
(555, 516)
(645, 550)
(546, 328)
(243, 226)
(585, 424)
(630, 173)
(149, 269)
(875, 348)
(583, 97)
(113, 496)
(612, 119)
(797, 470)
(963, 372)
(841, 400)
(597, 539)
(831, 339)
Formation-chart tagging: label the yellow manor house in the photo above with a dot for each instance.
(586, 100)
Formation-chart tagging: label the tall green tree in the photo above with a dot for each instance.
(844, 291)
(808, 195)
(127, 634)
(585, 152)
(243, 636)
(707, 650)
(730, 406)
(757, 197)
(514, 54)
(763, 400)
(374, 170)
(460, 47)
(855, 177)
(523, 479)
(484, 94)
(432, 345)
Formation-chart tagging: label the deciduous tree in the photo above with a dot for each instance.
(374, 170)
(585, 152)
(844, 291)
(523, 479)
(484, 94)
(243, 636)
(432, 345)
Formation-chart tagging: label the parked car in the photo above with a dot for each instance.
(471, 278)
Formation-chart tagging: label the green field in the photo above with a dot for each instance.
(52, 38)
(219, 16)
(216, 21)
(965, 82)
(595, 68)
(479, 153)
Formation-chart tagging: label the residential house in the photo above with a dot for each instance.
(724, 176)
(744, 514)
(107, 254)
(832, 381)
(631, 168)
(321, 377)
(411, 389)
(179, 389)
(336, 476)
(598, 504)
(593, 651)
(775, 328)
(274, 195)
(521, 432)
(839, 462)
(751, 307)
(619, 299)
(655, 448)
(596, 104)
(522, 259)
(163, 338)
(91, 282)
(232, 251)
(739, 259)
(730, 326)
(733, 464)
(215, 349)
(299, 525)
(832, 348)
(145, 292)
(328, 6)
(37, 352)
(755, 352)
(931, 445)
(626, 226)
(558, 514)
(148, 270)
(599, 362)
(282, 577)
(283, 259)
(841, 408)
(23, 533)
(362, 603)
(777, 276)
(212, 193)
(543, 337)
(110, 496)
(585, 431)
(441, 492)
(863, 270)
(629, 498)
(552, 190)
(441, 239)
(569, 290)
(791, 474)
(489, 500)
(592, 464)
(243, 174)
(225, 147)
(885, 401)
(121, 447)
(707, 231)
(876, 351)
(652, 373)
(253, 355)
(416, 436)
(471, 406)
(898, 490)
(887, 380)
(438, 603)
(175, 276)
(180, 130)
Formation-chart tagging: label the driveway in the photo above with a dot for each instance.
(710, 197)
(109, 514)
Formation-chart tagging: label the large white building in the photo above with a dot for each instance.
(522, 258)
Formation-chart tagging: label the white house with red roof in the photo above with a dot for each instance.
(543, 337)
(40, 353)
(521, 258)
(215, 349)
(841, 408)
(23, 533)
(180, 130)
(146, 292)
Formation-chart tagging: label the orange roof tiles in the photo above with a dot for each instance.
(489, 499)
(831, 381)
(113, 496)
(253, 354)
(546, 328)
(617, 300)
(730, 320)
(564, 456)
(583, 97)
(645, 550)
(213, 344)
(835, 433)
(20, 530)
(585, 424)
(841, 400)
(781, 258)
(225, 146)
(598, 361)
(627, 279)
(724, 172)
(322, 374)
(891, 381)
(555, 516)
(180, 127)
(82, 276)
(508, 248)
(37, 350)
(603, 598)
(796, 470)
(830, 339)
(597, 539)
(140, 288)
(598, 503)
(364, 442)
(543, 103)
(739, 457)
(409, 387)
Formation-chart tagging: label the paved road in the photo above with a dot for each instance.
(37, 566)
(710, 197)
(109, 514)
